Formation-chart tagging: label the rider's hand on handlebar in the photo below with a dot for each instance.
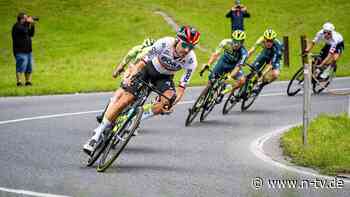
(116, 72)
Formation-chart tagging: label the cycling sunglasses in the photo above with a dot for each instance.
(186, 45)
(327, 32)
(237, 42)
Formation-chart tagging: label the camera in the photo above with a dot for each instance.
(35, 18)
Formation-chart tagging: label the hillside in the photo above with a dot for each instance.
(77, 43)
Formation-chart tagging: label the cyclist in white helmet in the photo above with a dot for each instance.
(334, 44)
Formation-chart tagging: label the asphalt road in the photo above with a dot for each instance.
(213, 158)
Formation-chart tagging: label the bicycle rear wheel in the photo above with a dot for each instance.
(208, 106)
(193, 112)
(119, 140)
(296, 83)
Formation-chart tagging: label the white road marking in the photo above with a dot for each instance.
(256, 147)
(48, 116)
(29, 193)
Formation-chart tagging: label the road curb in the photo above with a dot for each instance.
(257, 148)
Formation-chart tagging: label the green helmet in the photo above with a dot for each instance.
(269, 34)
(238, 35)
(148, 42)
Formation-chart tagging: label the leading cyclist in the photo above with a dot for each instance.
(167, 56)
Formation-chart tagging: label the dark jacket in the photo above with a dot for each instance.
(22, 38)
(237, 19)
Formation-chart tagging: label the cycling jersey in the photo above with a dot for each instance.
(336, 39)
(162, 57)
(271, 55)
(229, 60)
(232, 56)
(135, 55)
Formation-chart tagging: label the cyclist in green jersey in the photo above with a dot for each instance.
(232, 55)
(271, 55)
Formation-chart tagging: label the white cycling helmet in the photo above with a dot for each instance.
(328, 27)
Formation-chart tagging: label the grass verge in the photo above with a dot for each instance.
(328, 146)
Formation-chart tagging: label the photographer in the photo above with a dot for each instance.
(22, 33)
(237, 14)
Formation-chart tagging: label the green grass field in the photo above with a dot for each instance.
(329, 144)
(77, 43)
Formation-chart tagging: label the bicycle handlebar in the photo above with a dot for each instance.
(150, 86)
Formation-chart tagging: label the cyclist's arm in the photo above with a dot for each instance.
(186, 77)
(257, 44)
(130, 56)
(317, 39)
(214, 56)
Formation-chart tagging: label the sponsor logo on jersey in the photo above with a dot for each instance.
(168, 63)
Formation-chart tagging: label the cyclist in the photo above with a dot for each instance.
(333, 48)
(233, 58)
(167, 56)
(271, 54)
(131, 58)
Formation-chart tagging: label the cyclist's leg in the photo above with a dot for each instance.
(259, 61)
(115, 107)
(238, 75)
(220, 68)
(165, 85)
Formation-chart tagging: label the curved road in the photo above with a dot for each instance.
(42, 155)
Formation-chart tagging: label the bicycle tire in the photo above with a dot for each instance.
(229, 103)
(193, 112)
(250, 96)
(117, 144)
(298, 78)
(208, 106)
(317, 88)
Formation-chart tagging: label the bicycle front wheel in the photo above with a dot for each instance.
(296, 83)
(118, 142)
(209, 105)
(193, 112)
(230, 102)
(250, 95)
(319, 84)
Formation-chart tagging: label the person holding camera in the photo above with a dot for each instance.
(22, 33)
(237, 14)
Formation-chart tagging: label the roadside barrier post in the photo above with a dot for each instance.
(349, 108)
(307, 92)
(286, 51)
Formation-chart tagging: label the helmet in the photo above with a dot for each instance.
(188, 34)
(148, 42)
(238, 35)
(328, 27)
(269, 34)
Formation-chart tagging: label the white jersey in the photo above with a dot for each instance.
(335, 39)
(163, 60)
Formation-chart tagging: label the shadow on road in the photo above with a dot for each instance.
(128, 168)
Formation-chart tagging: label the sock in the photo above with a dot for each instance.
(147, 114)
(98, 131)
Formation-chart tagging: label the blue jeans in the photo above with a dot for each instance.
(24, 62)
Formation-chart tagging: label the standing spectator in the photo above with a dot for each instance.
(22, 33)
(237, 14)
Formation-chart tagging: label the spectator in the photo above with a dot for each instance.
(22, 33)
(237, 14)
